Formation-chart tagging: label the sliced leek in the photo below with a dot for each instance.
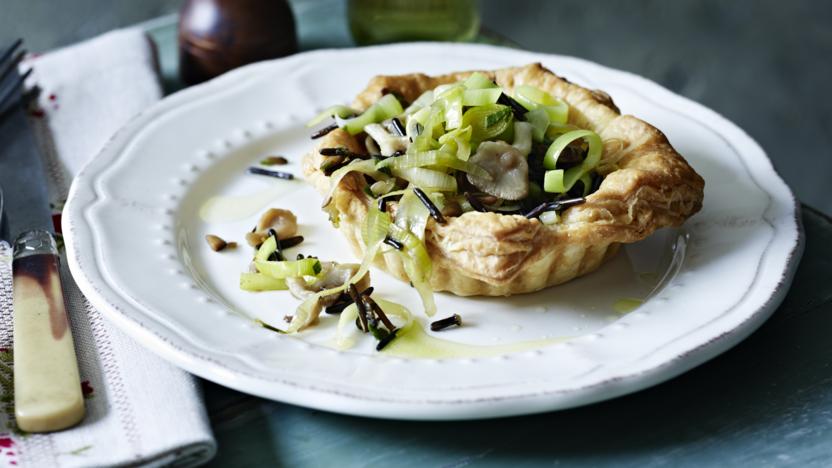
(523, 137)
(434, 158)
(385, 108)
(427, 178)
(481, 97)
(549, 217)
(256, 282)
(488, 121)
(417, 264)
(289, 268)
(422, 101)
(457, 141)
(451, 102)
(412, 215)
(364, 166)
(478, 81)
(539, 119)
(267, 248)
(553, 181)
(334, 111)
(534, 98)
(573, 174)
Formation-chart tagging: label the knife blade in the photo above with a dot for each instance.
(22, 177)
(47, 386)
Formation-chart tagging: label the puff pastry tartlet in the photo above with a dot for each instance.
(645, 185)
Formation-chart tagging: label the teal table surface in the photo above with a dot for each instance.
(767, 402)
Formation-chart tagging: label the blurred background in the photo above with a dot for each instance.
(762, 63)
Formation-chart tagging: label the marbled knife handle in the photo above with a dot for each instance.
(47, 388)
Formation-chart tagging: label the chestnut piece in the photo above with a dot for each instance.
(218, 35)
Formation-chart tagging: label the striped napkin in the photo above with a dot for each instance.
(141, 410)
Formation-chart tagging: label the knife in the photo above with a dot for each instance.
(47, 387)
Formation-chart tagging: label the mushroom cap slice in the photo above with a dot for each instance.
(332, 275)
(387, 143)
(508, 168)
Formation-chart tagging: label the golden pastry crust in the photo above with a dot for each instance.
(647, 186)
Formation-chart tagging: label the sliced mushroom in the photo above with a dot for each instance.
(452, 208)
(216, 243)
(387, 143)
(307, 314)
(332, 275)
(508, 168)
(284, 223)
(523, 137)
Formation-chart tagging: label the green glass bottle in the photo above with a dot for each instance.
(381, 21)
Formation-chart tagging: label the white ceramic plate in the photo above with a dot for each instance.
(136, 217)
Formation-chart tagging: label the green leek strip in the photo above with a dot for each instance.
(393, 193)
(259, 282)
(480, 97)
(289, 268)
(419, 117)
(417, 265)
(553, 181)
(394, 310)
(533, 98)
(340, 111)
(267, 248)
(376, 225)
(346, 323)
(523, 137)
(434, 158)
(453, 114)
(428, 119)
(411, 214)
(573, 174)
(549, 217)
(478, 81)
(461, 149)
(487, 121)
(382, 187)
(457, 141)
(373, 233)
(559, 113)
(425, 99)
(462, 133)
(385, 108)
(409, 229)
(539, 119)
(443, 88)
(412, 127)
(451, 102)
(586, 181)
(427, 179)
(556, 129)
(364, 166)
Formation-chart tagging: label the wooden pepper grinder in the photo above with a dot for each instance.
(218, 35)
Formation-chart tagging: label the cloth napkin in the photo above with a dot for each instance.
(140, 409)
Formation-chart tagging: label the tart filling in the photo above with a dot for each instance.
(493, 183)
